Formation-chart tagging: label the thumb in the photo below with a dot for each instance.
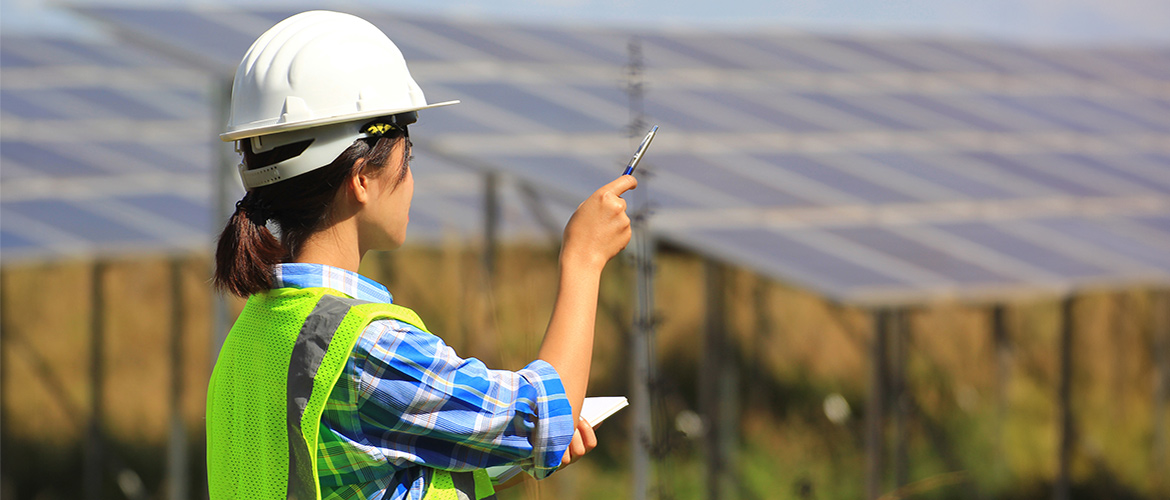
(620, 185)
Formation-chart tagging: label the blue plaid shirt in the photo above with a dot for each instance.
(405, 401)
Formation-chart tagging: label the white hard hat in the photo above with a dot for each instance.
(310, 72)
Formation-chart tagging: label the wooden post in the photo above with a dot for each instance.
(875, 413)
(94, 451)
(177, 482)
(1064, 400)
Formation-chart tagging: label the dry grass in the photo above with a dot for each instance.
(995, 421)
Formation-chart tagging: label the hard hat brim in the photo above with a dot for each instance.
(244, 133)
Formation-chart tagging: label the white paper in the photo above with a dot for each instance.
(593, 410)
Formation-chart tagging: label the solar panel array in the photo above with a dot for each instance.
(871, 170)
(97, 150)
(110, 150)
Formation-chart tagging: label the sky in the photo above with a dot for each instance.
(1044, 22)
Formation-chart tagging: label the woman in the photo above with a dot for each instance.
(324, 388)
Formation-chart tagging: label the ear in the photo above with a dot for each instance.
(359, 182)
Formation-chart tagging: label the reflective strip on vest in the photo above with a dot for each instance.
(312, 342)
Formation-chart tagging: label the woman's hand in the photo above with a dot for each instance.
(583, 440)
(600, 228)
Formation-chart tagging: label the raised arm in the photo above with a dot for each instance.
(598, 230)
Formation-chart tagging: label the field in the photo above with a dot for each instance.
(981, 418)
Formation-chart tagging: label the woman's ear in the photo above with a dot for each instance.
(359, 182)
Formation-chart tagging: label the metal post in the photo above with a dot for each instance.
(642, 368)
(1064, 397)
(875, 414)
(94, 450)
(491, 224)
(711, 383)
(763, 333)
(1003, 359)
(641, 339)
(900, 397)
(177, 483)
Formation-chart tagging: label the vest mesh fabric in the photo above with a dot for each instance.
(247, 432)
(442, 487)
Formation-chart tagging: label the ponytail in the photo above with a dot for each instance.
(299, 206)
(247, 251)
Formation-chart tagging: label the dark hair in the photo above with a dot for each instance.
(299, 206)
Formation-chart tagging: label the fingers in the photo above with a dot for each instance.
(576, 449)
(588, 437)
(584, 440)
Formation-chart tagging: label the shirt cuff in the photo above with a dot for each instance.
(554, 424)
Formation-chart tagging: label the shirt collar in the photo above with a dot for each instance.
(299, 275)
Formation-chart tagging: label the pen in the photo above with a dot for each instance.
(641, 149)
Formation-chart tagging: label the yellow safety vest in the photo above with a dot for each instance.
(268, 390)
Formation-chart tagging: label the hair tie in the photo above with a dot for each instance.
(257, 211)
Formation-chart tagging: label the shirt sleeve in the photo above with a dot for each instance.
(425, 404)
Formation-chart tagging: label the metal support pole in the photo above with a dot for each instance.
(1003, 359)
(1064, 399)
(491, 224)
(642, 368)
(177, 482)
(94, 450)
(875, 414)
(642, 339)
(712, 383)
(900, 397)
(763, 333)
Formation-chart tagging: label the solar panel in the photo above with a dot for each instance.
(513, 97)
(192, 215)
(915, 253)
(953, 180)
(1104, 236)
(850, 106)
(811, 168)
(78, 220)
(873, 49)
(987, 235)
(218, 41)
(868, 169)
(22, 105)
(1161, 223)
(46, 161)
(804, 263)
(709, 173)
